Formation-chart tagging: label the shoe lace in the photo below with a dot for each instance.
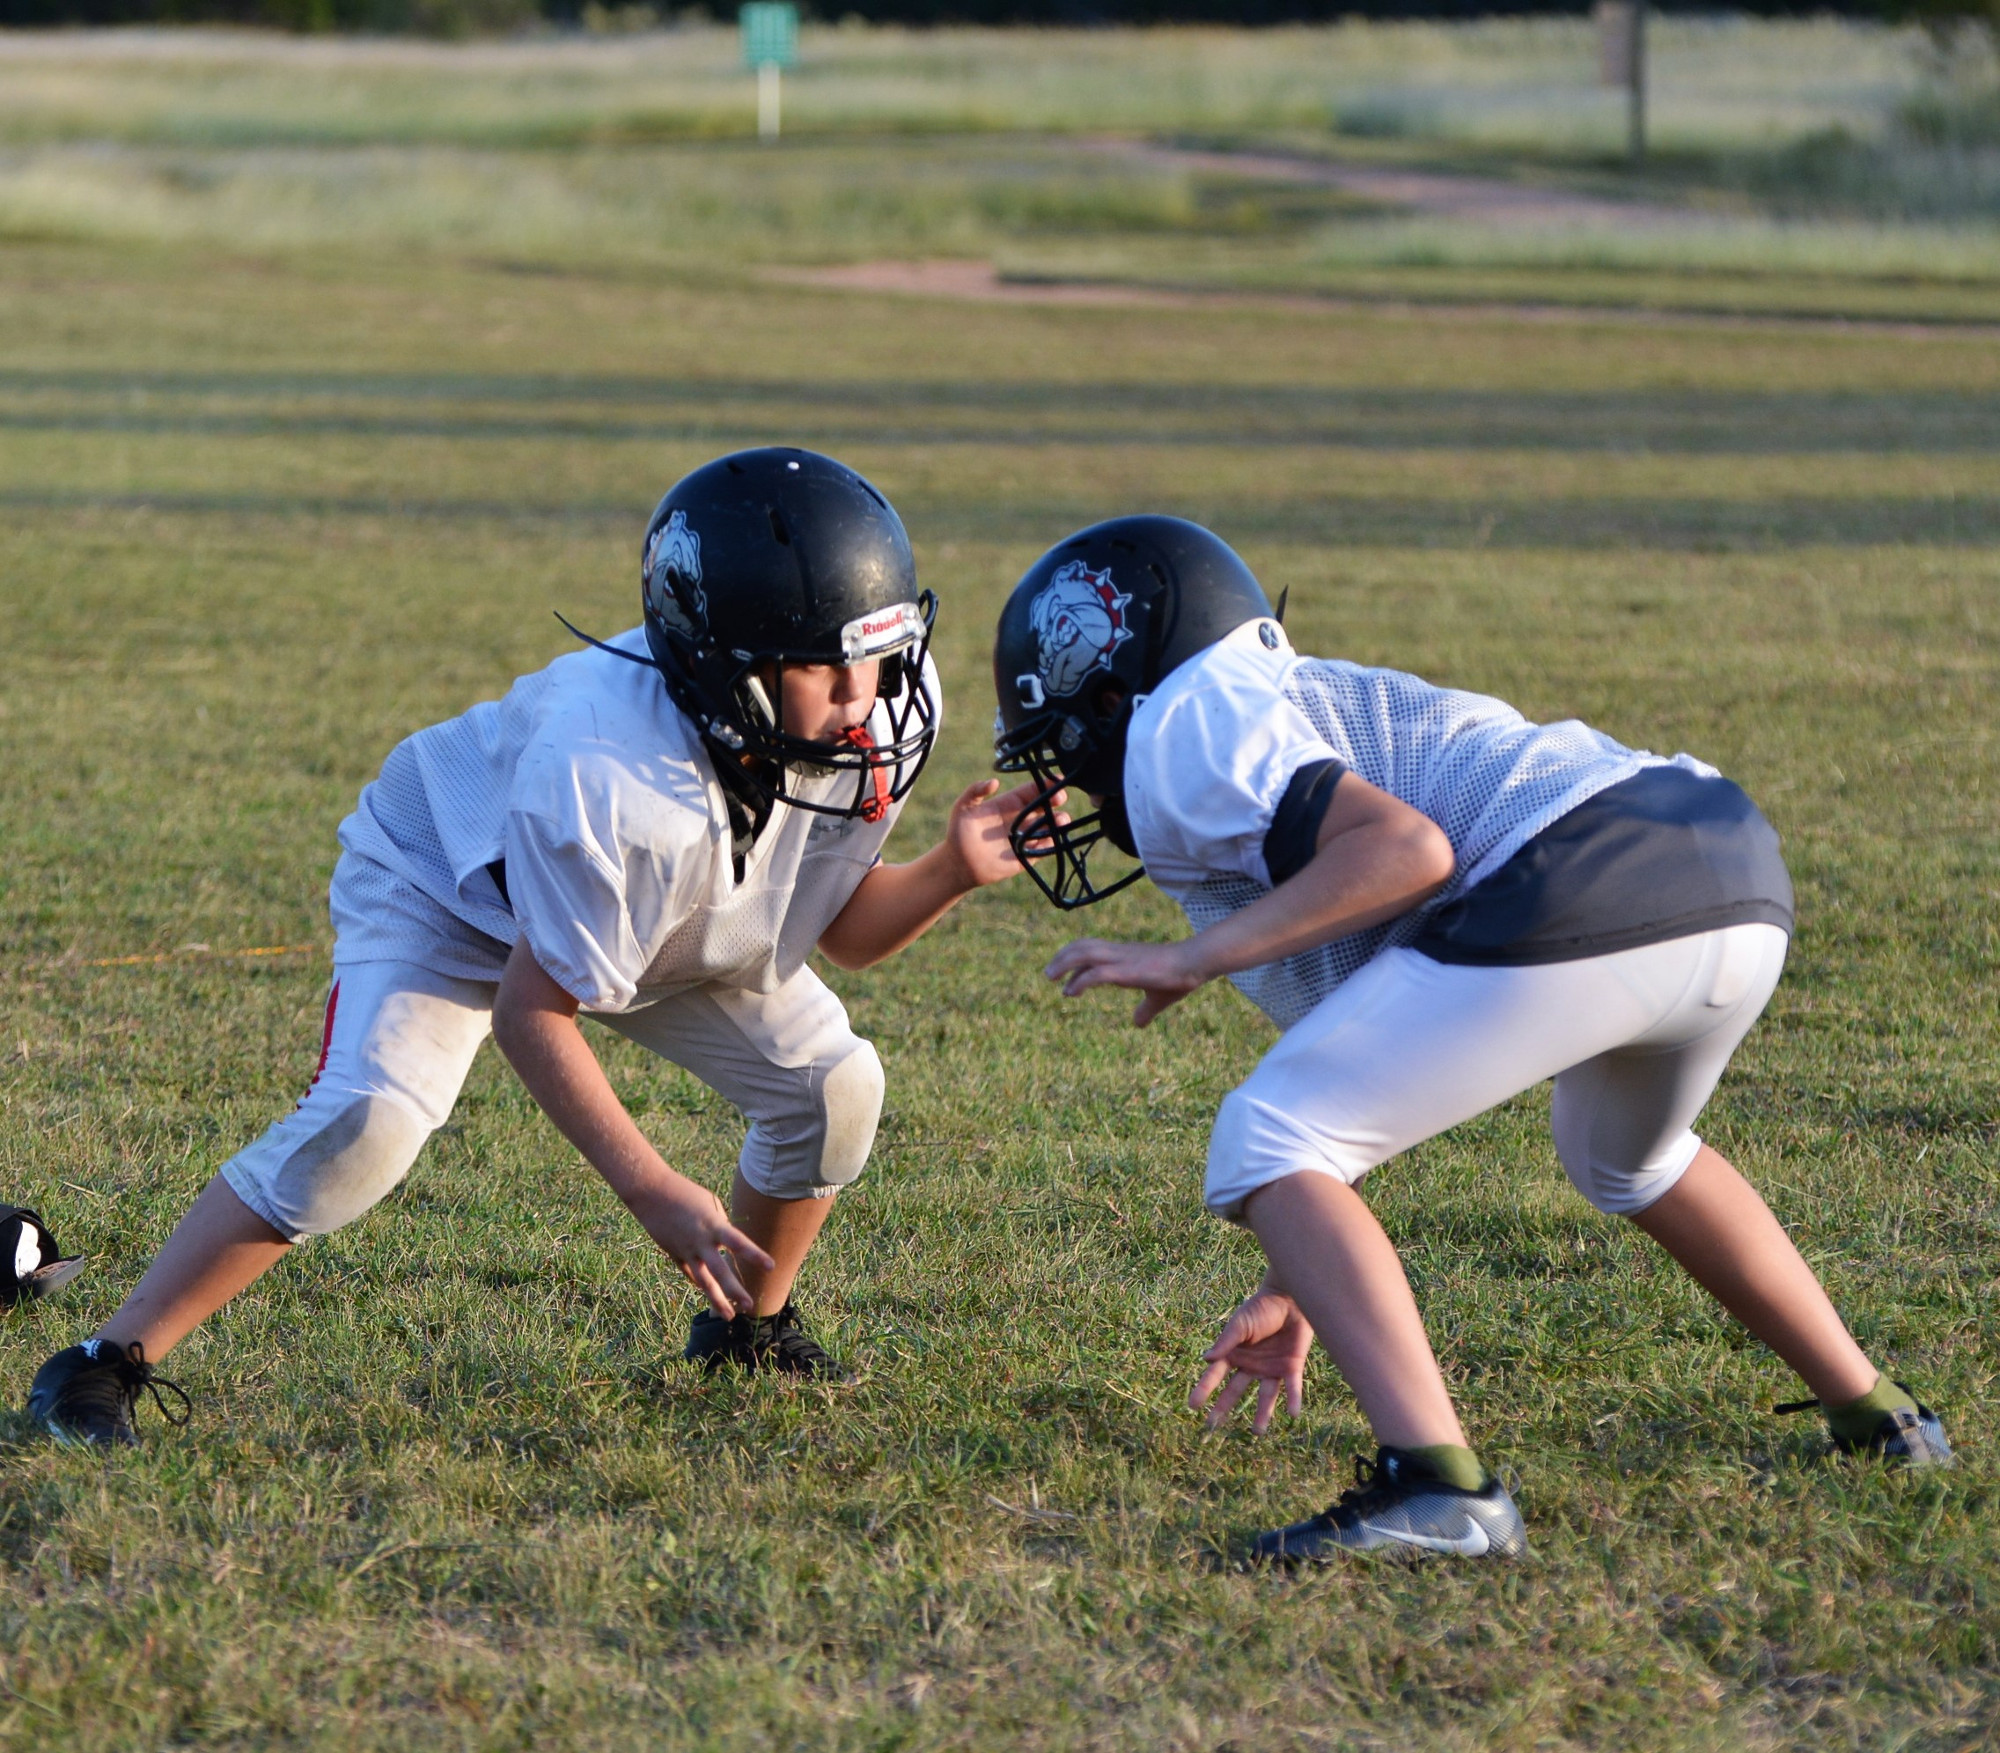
(136, 1376)
(1373, 1484)
(790, 1339)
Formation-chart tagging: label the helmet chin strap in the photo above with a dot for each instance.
(645, 661)
(873, 809)
(1117, 825)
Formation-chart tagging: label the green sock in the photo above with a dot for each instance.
(1455, 1466)
(1856, 1421)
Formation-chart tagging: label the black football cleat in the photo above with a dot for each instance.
(778, 1343)
(86, 1397)
(1397, 1501)
(1911, 1437)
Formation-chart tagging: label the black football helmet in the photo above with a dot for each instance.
(31, 1263)
(1096, 622)
(778, 556)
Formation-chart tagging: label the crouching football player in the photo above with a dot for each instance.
(655, 832)
(1439, 904)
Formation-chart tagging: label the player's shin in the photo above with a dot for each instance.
(1332, 1257)
(785, 1229)
(219, 1249)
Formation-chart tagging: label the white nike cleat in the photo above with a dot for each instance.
(1398, 1501)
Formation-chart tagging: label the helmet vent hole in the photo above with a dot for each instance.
(778, 530)
(734, 467)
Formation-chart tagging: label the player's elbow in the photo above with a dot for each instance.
(527, 1001)
(845, 948)
(1431, 858)
(843, 955)
(512, 1028)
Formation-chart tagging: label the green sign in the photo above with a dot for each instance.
(770, 34)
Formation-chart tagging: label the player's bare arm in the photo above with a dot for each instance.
(897, 903)
(1377, 858)
(534, 1024)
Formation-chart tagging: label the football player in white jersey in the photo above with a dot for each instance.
(655, 832)
(1440, 904)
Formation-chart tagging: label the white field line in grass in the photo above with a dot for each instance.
(982, 282)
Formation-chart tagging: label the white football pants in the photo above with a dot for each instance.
(400, 1039)
(1408, 1047)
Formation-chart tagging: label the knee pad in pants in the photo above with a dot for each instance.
(821, 1142)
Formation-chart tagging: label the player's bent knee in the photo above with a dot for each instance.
(824, 1144)
(314, 1172)
(1255, 1143)
(1621, 1190)
(851, 1101)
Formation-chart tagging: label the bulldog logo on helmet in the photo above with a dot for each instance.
(1079, 623)
(673, 575)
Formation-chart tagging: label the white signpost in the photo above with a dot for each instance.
(770, 43)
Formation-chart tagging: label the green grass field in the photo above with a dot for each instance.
(269, 502)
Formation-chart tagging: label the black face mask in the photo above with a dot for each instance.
(1057, 854)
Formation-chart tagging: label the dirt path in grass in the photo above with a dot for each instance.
(1483, 200)
(983, 283)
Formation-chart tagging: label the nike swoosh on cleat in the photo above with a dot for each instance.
(1473, 1544)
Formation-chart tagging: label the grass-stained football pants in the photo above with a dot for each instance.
(1407, 1048)
(400, 1039)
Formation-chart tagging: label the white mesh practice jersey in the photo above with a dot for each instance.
(1212, 750)
(599, 796)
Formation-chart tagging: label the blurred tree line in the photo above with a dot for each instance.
(485, 17)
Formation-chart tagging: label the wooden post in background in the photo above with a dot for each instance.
(1621, 60)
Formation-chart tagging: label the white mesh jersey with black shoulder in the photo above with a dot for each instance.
(600, 798)
(1212, 750)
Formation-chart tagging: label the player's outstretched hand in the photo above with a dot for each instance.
(1262, 1346)
(695, 1233)
(977, 831)
(1164, 972)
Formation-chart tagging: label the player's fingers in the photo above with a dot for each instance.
(698, 1275)
(743, 1248)
(1295, 1389)
(1072, 954)
(1234, 1332)
(1232, 1397)
(1267, 1403)
(730, 1280)
(1086, 972)
(1207, 1382)
(732, 1288)
(1083, 979)
(977, 792)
